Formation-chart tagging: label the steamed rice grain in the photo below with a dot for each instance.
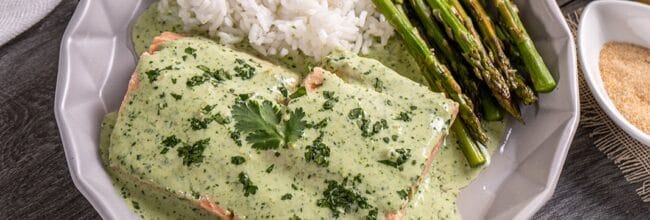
(276, 27)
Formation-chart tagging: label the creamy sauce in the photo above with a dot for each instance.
(435, 199)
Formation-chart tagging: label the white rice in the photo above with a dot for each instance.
(277, 27)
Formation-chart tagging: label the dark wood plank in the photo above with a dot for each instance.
(34, 178)
(35, 182)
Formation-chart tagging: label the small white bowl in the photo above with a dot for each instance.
(606, 21)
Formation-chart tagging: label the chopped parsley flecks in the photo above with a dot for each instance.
(176, 96)
(244, 70)
(249, 188)
(236, 136)
(287, 196)
(270, 168)
(220, 119)
(153, 74)
(264, 125)
(198, 124)
(169, 142)
(318, 152)
(215, 76)
(368, 129)
(283, 90)
(401, 156)
(372, 214)
(404, 194)
(404, 116)
(341, 198)
(193, 154)
(379, 85)
(330, 99)
(190, 51)
(319, 125)
(302, 91)
(196, 81)
(237, 160)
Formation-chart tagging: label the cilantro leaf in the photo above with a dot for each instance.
(264, 125)
(295, 126)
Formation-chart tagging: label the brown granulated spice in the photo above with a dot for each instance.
(625, 69)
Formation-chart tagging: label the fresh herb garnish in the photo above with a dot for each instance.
(198, 124)
(372, 214)
(236, 136)
(169, 142)
(220, 119)
(237, 160)
(358, 116)
(330, 100)
(319, 125)
(196, 81)
(342, 199)
(193, 154)
(402, 157)
(298, 93)
(270, 168)
(264, 124)
(244, 70)
(287, 196)
(176, 96)
(249, 187)
(153, 74)
(404, 116)
(191, 51)
(318, 152)
(379, 85)
(404, 194)
(216, 76)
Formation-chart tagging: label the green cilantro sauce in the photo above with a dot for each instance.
(181, 130)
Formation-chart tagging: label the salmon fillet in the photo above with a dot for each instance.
(312, 83)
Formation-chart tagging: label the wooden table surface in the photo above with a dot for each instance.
(35, 182)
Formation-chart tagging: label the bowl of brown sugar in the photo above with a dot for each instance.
(614, 51)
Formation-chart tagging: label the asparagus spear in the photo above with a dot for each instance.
(496, 48)
(434, 69)
(540, 76)
(434, 34)
(473, 154)
(473, 53)
(491, 111)
(420, 12)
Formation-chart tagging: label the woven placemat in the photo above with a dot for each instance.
(632, 157)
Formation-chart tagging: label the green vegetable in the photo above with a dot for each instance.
(298, 93)
(237, 160)
(539, 74)
(153, 74)
(341, 199)
(249, 188)
(474, 53)
(436, 73)
(169, 142)
(403, 155)
(176, 96)
(404, 194)
(196, 81)
(287, 196)
(193, 154)
(318, 152)
(190, 51)
(264, 125)
(244, 70)
(497, 50)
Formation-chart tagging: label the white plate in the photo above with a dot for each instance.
(97, 60)
(602, 22)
